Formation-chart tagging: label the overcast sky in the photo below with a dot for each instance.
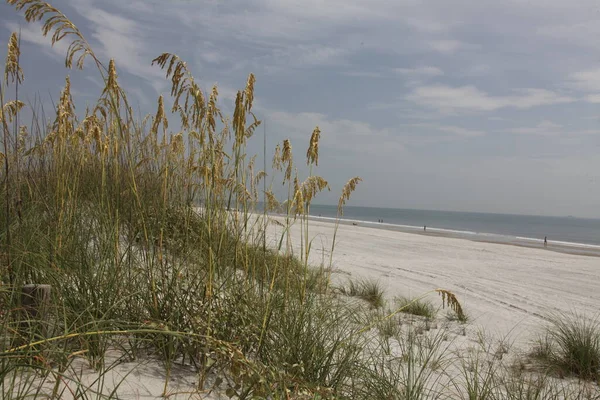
(489, 106)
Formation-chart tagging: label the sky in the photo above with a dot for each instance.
(481, 106)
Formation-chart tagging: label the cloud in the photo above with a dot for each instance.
(449, 46)
(469, 98)
(456, 131)
(593, 98)
(427, 25)
(336, 63)
(365, 74)
(588, 80)
(417, 72)
(32, 33)
(130, 43)
(420, 71)
(544, 128)
(549, 128)
(428, 133)
(340, 134)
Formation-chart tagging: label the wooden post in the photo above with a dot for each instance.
(35, 300)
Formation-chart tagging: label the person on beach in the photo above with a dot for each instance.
(545, 241)
(424, 228)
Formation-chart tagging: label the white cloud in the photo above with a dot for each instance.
(544, 128)
(126, 41)
(32, 33)
(477, 70)
(312, 55)
(437, 132)
(469, 98)
(588, 80)
(423, 71)
(364, 74)
(593, 98)
(349, 135)
(549, 128)
(427, 25)
(448, 46)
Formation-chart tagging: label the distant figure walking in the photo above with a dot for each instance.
(545, 241)
(424, 228)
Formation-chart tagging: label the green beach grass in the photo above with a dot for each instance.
(132, 227)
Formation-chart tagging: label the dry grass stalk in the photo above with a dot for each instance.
(312, 154)
(272, 202)
(287, 157)
(12, 69)
(10, 110)
(36, 10)
(349, 187)
(183, 87)
(159, 118)
(277, 163)
(307, 191)
(449, 299)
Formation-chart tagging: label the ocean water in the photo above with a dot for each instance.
(517, 229)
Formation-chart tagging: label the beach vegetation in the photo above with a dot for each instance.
(130, 242)
(570, 346)
(366, 289)
(416, 306)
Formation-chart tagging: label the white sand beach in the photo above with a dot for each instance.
(505, 289)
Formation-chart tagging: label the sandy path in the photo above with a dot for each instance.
(504, 289)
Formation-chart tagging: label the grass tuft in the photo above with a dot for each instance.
(368, 290)
(418, 307)
(571, 346)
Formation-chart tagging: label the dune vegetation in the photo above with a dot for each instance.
(154, 246)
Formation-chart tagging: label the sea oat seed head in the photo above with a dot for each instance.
(349, 187)
(312, 155)
(12, 69)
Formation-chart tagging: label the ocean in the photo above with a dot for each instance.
(529, 230)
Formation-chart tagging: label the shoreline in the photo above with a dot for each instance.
(580, 249)
(507, 291)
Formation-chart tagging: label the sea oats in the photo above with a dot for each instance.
(307, 191)
(10, 109)
(183, 87)
(177, 145)
(272, 202)
(159, 117)
(260, 175)
(252, 127)
(36, 10)
(64, 121)
(312, 154)
(12, 69)
(449, 299)
(287, 157)
(211, 112)
(277, 162)
(349, 187)
(249, 92)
